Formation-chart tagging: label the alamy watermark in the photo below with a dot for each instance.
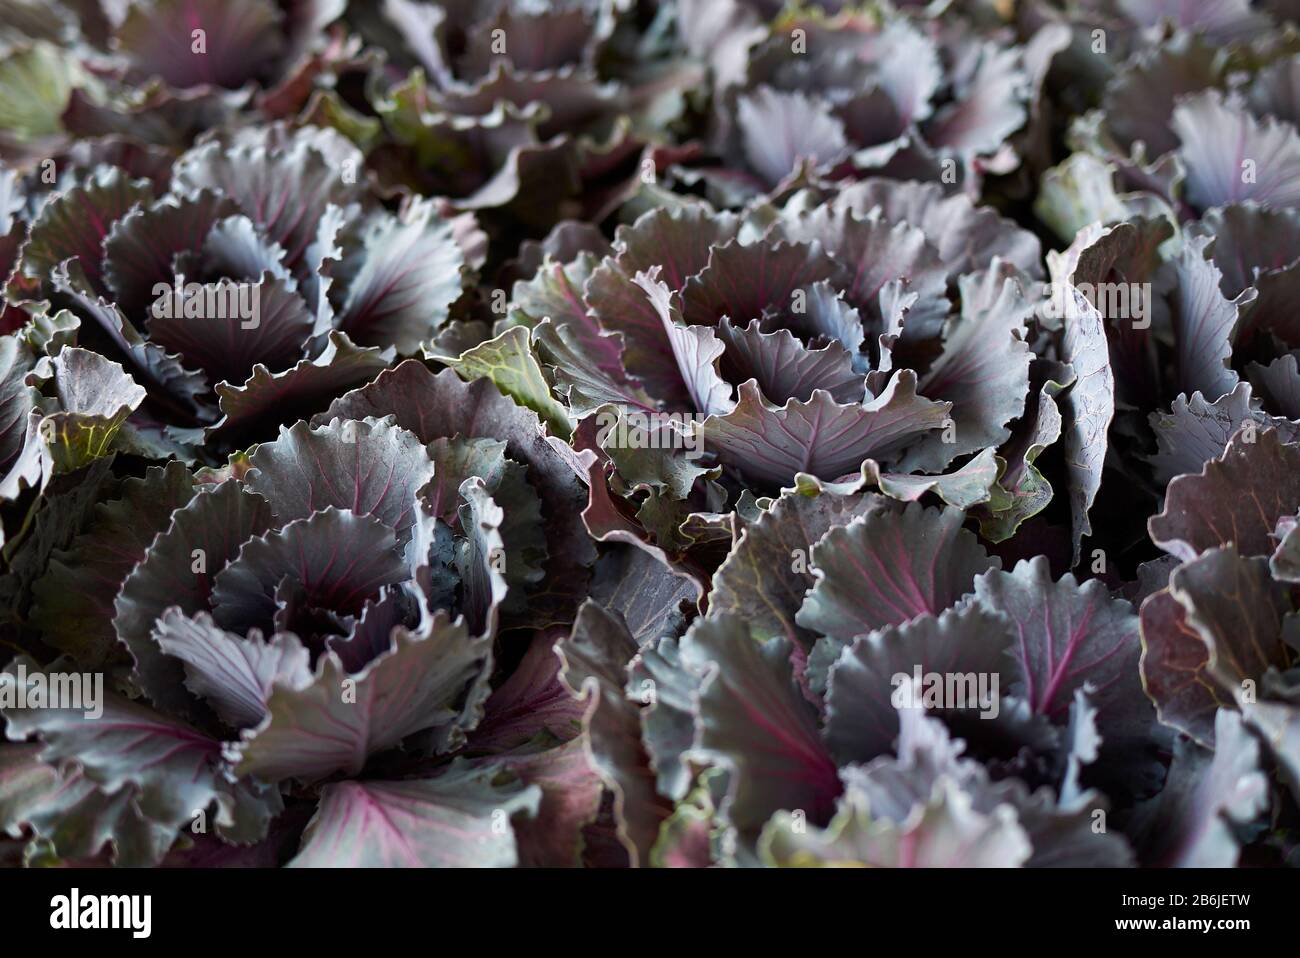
(634, 429)
(1130, 302)
(79, 691)
(946, 690)
(75, 911)
(223, 300)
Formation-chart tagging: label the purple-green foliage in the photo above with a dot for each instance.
(614, 434)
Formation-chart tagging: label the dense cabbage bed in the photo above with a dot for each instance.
(626, 433)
